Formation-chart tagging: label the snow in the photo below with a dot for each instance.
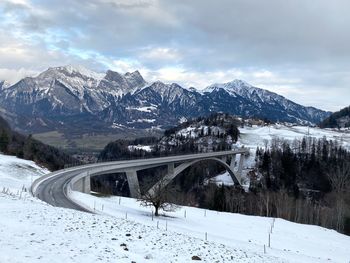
(146, 120)
(194, 131)
(82, 70)
(117, 126)
(222, 179)
(290, 242)
(255, 136)
(123, 231)
(143, 109)
(147, 148)
(182, 120)
(17, 173)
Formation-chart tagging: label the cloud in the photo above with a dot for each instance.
(292, 47)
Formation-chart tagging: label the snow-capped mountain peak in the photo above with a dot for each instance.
(236, 85)
(4, 84)
(72, 71)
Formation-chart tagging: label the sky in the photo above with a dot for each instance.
(297, 48)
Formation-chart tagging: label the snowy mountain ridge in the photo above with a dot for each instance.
(62, 95)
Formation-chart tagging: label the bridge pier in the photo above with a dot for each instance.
(83, 185)
(165, 180)
(224, 159)
(171, 171)
(233, 162)
(133, 182)
(240, 167)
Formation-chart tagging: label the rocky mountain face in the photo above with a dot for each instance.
(75, 99)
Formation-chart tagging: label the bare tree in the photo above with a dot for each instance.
(159, 196)
(340, 181)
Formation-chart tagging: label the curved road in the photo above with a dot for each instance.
(54, 191)
(53, 188)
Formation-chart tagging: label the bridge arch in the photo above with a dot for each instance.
(173, 172)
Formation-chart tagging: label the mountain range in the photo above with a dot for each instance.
(77, 100)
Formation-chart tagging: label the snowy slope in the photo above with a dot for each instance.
(17, 173)
(290, 242)
(31, 231)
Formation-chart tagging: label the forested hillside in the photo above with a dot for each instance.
(13, 143)
(307, 182)
(339, 119)
(214, 133)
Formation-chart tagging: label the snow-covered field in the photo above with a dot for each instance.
(31, 231)
(257, 135)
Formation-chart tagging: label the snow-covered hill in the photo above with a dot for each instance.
(17, 174)
(258, 135)
(122, 231)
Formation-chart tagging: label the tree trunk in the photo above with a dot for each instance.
(156, 212)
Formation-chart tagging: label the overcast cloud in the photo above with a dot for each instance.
(297, 48)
